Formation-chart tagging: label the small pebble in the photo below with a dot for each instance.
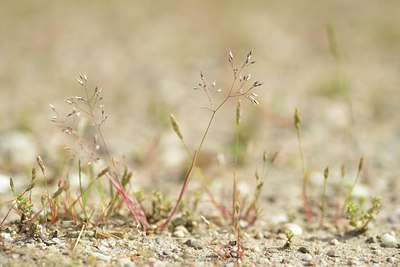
(389, 241)
(332, 253)
(125, 262)
(279, 218)
(255, 249)
(193, 243)
(179, 234)
(335, 242)
(308, 257)
(304, 250)
(101, 256)
(391, 260)
(259, 235)
(180, 231)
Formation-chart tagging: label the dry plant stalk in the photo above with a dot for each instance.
(240, 87)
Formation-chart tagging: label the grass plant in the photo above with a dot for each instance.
(306, 206)
(323, 206)
(239, 88)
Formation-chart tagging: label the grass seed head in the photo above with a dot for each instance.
(238, 112)
(41, 164)
(175, 126)
(326, 173)
(297, 118)
(361, 163)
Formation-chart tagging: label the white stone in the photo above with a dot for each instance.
(279, 218)
(295, 228)
(179, 234)
(101, 256)
(388, 240)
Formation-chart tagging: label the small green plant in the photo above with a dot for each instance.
(358, 218)
(289, 236)
(326, 174)
(306, 206)
(349, 193)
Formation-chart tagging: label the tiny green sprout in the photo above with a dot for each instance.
(351, 211)
(289, 235)
(326, 174)
(359, 219)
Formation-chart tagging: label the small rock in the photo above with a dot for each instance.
(370, 240)
(308, 257)
(335, 242)
(6, 237)
(295, 228)
(304, 250)
(279, 218)
(243, 224)
(101, 256)
(391, 259)
(332, 253)
(125, 262)
(181, 228)
(389, 241)
(193, 243)
(259, 235)
(159, 241)
(179, 234)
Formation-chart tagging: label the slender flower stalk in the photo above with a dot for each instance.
(239, 88)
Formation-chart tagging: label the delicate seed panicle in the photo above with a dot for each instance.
(175, 126)
(238, 112)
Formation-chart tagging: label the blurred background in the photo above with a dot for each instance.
(147, 56)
